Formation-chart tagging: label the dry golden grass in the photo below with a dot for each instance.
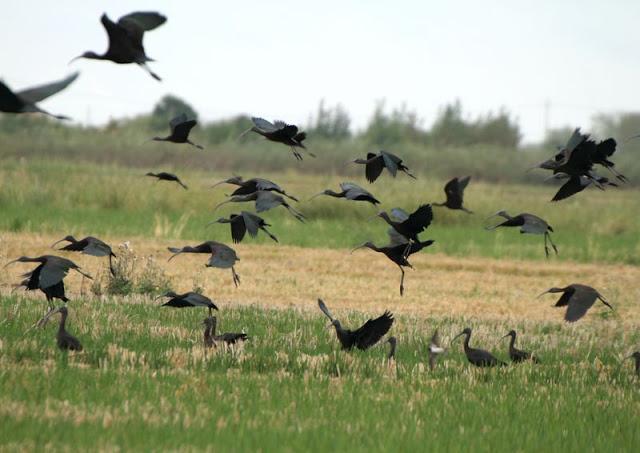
(285, 277)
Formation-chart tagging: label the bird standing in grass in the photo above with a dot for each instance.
(64, 339)
(280, 132)
(636, 357)
(517, 355)
(477, 357)
(364, 337)
(578, 299)
(164, 176)
(222, 256)
(393, 343)
(180, 128)
(25, 101)
(228, 338)
(189, 299)
(375, 163)
(529, 224)
(125, 39)
(243, 222)
(89, 246)
(454, 190)
(350, 191)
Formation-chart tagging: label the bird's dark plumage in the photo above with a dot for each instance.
(25, 101)
(478, 357)
(246, 222)
(517, 355)
(164, 176)
(280, 132)
(375, 163)
(180, 128)
(578, 299)
(454, 190)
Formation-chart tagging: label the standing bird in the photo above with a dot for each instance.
(410, 225)
(164, 176)
(518, 355)
(454, 190)
(280, 132)
(477, 357)
(89, 246)
(393, 342)
(578, 299)
(222, 256)
(125, 39)
(528, 223)
(228, 338)
(398, 254)
(189, 299)
(253, 185)
(435, 349)
(243, 222)
(264, 200)
(25, 101)
(350, 191)
(65, 340)
(636, 357)
(375, 163)
(180, 129)
(365, 336)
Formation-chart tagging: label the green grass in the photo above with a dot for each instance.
(144, 382)
(87, 199)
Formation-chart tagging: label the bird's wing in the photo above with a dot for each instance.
(580, 302)
(144, 20)
(396, 238)
(453, 192)
(374, 167)
(289, 130)
(263, 124)
(177, 120)
(127, 37)
(391, 162)
(52, 273)
(352, 190)
(605, 149)
(222, 256)
(181, 130)
(198, 300)
(399, 214)
(533, 224)
(267, 200)
(97, 248)
(576, 139)
(573, 186)
(238, 229)
(463, 183)
(324, 309)
(563, 301)
(374, 329)
(251, 222)
(39, 93)
(265, 184)
(421, 218)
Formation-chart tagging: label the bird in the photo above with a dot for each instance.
(605, 149)
(164, 176)
(576, 184)
(454, 190)
(222, 256)
(253, 185)
(264, 200)
(398, 254)
(89, 246)
(578, 299)
(25, 101)
(180, 128)
(365, 336)
(477, 357)
(375, 163)
(190, 299)
(48, 276)
(350, 191)
(636, 357)
(409, 225)
(243, 222)
(435, 349)
(228, 338)
(393, 342)
(125, 39)
(65, 341)
(518, 355)
(280, 132)
(528, 223)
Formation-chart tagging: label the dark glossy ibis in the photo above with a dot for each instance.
(125, 39)
(604, 150)
(364, 337)
(25, 101)
(222, 256)
(65, 340)
(454, 190)
(229, 338)
(393, 343)
(243, 222)
(164, 176)
(577, 184)
(264, 200)
(253, 185)
(529, 224)
(477, 357)
(409, 225)
(435, 349)
(280, 132)
(578, 299)
(398, 254)
(180, 128)
(517, 355)
(636, 357)
(189, 299)
(89, 246)
(375, 163)
(350, 191)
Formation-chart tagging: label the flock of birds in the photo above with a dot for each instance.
(575, 163)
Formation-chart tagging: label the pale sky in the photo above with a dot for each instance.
(278, 59)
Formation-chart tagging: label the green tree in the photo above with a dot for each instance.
(390, 129)
(332, 123)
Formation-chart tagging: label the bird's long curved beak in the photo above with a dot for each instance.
(348, 162)
(160, 296)
(43, 322)
(56, 243)
(492, 216)
(218, 183)
(507, 335)
(316, 195)
(542, 294)
(373, 217)
(357, 248)
(456, 337)
(74, 59)
(10, 262)
(220, 204)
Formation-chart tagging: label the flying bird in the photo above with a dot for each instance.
(517, 355)
(576, 184)
(578, 299)
(454, 190)
(125, 39)
(89, 246)
(477, 357)
(25, 101)
(350, 191)
(365, 336)
(222, 256)
(375, 163)
(529, 224)
(280, 132)
(228, 338)
(189, 299)
(164, 176)
(64, 339)
(264, 200)
(180, 128)
(409, 225)
(253, 185)
(243, 222)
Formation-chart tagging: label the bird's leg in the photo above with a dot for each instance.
(401, 281)
(236, 277)
(555, 249)
(407, 249)
(546, 247)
